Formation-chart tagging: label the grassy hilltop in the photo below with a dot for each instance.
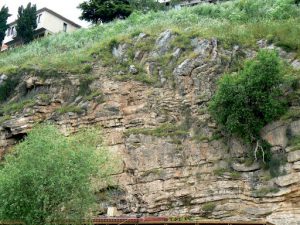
(240, 22)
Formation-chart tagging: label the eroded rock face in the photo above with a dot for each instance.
(276, 134)
(165, 174)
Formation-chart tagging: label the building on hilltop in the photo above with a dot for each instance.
(48, 22)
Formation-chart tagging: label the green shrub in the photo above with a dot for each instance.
(247, 101)
(49, 178)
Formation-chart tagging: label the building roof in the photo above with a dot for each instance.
(53, 13)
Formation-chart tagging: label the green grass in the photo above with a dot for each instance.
(155, 171)
(221, 171)
(144, 78)
(14, 107)
(295, 142)
(209, 207)
(97, 95)
(292, 113)
(4, 118)
(262, 192)
(227, 171)
(236, 22)
(69, 108)
(44, 97)
(163, 130)
(84, 85)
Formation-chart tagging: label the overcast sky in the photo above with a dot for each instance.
(66, 8)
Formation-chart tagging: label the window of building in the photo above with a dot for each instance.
(8, 31)
(12, 31)
(39, 18)
(65, 27)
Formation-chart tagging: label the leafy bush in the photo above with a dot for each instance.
(49, 176)
(248, 100)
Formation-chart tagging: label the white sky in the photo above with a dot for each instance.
(66, 8)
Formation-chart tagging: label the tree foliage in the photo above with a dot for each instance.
(97, 11)
(26, 23)
(146, 5)
(248, 100)
(49, 177)
(3, 22)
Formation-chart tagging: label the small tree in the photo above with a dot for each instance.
(97, 11)
(49, 177)
(248, 100)
(3, 22)
(26, 23)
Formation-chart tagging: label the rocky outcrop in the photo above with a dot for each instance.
(175, 173)
(275, 134)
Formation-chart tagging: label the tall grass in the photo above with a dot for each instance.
(233, 22)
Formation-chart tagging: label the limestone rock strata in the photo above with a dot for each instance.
(189, 174)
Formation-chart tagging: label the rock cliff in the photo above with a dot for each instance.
(175, 160)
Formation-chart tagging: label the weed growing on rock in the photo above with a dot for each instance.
(262, 192)
(16, 106)
(69, 108)
(164, 130)
(209, 207)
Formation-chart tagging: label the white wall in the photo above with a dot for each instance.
(54, 24)
(10, 37)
